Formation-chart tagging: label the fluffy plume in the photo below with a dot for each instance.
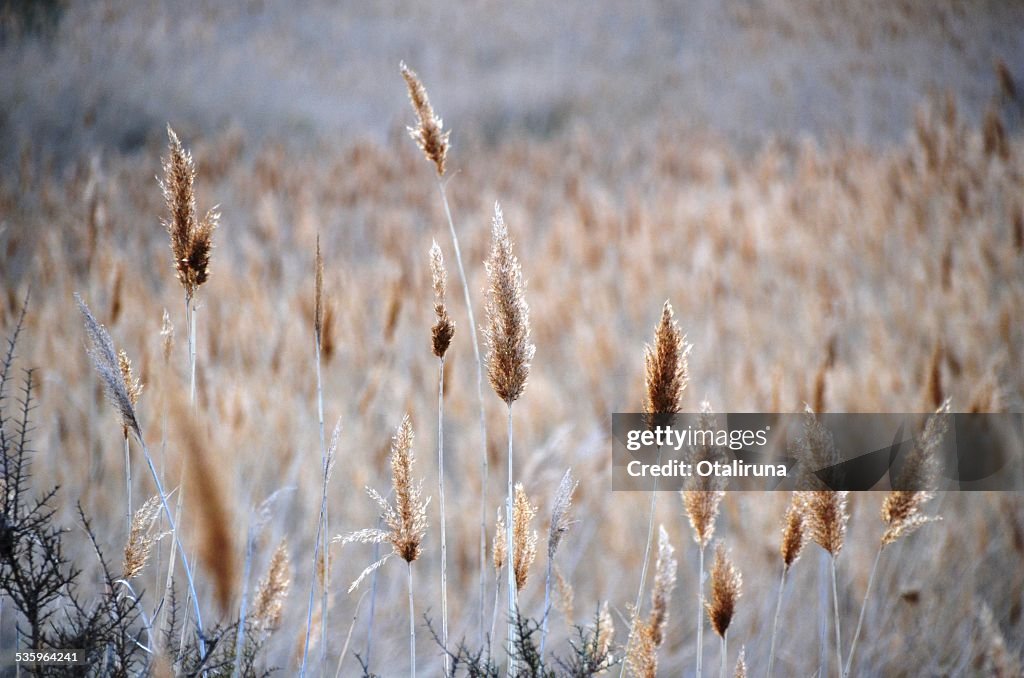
(815, 451)
(605, 636)
(107, 363)
(524, 539)
(825, 518)
(444, 329)
(726, 582)
(499, 547)
(901, 509)
(703, 495)
(642, 652)
(560, 522)
(141, 538)
(406, 519)
(191, 237)
(268, 604)
(794, 533)
(132, 385)
(508, 317)
(664, 583)
(741, 664)
(428, 132)
(666, 369)
(166, 336)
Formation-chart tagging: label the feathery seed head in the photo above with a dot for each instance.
(508, 317)
(428, 132)
(666, 369)
(141, 538)
(641, 650)
(166, 336)
(901, 509)
(560, 522)
(605, 636)
(726, 583)
(664, 583)
(499, 546)
(794, 534)
(191, 237)
(407, 519)
(107, 364)
(132, 385)
(741, 664)
(268, 605)
(825, 517)
(444, 329)
(524, 539)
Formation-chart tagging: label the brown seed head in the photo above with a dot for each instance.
(605, 637)
(268, 605)
(741, 664)
(141, 538)
(815, 451)
(132, 385)
(524, 539)
(901, 509)
(318, 295)
(726, 583)
(664, 583)
(794, 534)
(508, 317)
(825, 518)
(499, 546)
(428, 132)
(641, 651)
(107, 364)
(191, 237)
(407, 519)
(666, 368)
(703, 495)
(444, 329)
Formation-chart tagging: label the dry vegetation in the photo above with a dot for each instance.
(845, 276)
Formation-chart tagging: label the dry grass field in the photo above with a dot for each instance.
(848, 235)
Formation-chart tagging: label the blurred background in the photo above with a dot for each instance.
(831, 194)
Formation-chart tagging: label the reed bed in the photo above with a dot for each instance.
(881, 246)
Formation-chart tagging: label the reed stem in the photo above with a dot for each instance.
(316, 557)
(775, 623)
(440, 492)
(412, 627)
(647, 553)
(700, 614)
(725, 655)
(326, 531)
(863, 608)
(128, 480)
(510, 579)
(835, 612)
(480, 400)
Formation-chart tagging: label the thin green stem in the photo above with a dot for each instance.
(480, 400)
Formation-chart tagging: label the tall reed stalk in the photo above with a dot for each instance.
(666, 373)
(794, 538)
(560, 524)
(318, 323)
(508, 364)
(440, 339)
(434, 142)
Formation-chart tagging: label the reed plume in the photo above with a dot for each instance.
(441, 336)
(429, 132)
(406, 521)
(794, 538)
(499, 557)
(741, 664)
(666, 375)
(524, 539)
(560, 524)
(726, 584)
(268, 604)
(508, 361)
(901, 508)
(141, 539)
(647, 635)
(433, 142)
(191, 237)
